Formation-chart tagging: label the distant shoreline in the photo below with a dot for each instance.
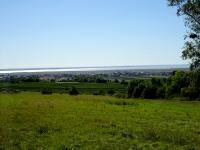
(98, 68)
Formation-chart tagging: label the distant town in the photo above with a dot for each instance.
(86, 76)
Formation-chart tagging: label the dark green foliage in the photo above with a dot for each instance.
(190, 93)
(144, 88)
(101, 80)
(160, 92)
(116, 81)
(149, 92)
(195, 81)
(180, 84)
(42, 129)
(179, 80)
(101, 92)
(124, 82)
(73, 91)
(46, 91)
(131, 88)
(138, 90)
(111, 92)
(120, 95)
(22, 79)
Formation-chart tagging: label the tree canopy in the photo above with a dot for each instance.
(190, 9)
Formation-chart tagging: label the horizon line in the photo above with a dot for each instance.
(82, 67)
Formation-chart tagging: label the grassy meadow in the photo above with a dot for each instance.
(62, 122)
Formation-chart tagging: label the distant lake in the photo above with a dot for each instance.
(104, 68)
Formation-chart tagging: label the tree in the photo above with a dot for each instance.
(190, 9)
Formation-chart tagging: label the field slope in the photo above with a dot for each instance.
(60, 121)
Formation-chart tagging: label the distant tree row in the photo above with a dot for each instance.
(181, 84)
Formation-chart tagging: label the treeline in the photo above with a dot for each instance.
(20, 80)
(180, 84)
(77, 78)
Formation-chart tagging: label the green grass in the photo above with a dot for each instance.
(58, 87)
(59, 121)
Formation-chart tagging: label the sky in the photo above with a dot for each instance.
(77, 33)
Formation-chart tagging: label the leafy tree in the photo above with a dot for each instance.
(180, 80)
(190, 9)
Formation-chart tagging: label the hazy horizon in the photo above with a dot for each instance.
(80, 33)
(60, 67)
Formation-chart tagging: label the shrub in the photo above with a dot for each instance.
(99, 80)
(160, 92)
(169, 92)
(111, 92)
(190, 92)
(73, 91)
(120, 95)
(116, 81)
(138, 90)
(123, 82)
(132, 85)
(46, 91)
(149, 92)
(100, 92)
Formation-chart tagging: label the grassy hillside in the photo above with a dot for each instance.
(35, 121)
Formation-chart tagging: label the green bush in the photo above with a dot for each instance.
(160, 92)
(190, 92)
(46, 91)
(149, 92)
(131, 88)
(138, 90)
(120, 95)
(73, 91)
(111, 92)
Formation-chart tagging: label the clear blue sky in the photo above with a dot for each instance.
(63, 33)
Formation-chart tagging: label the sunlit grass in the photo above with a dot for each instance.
(60, 121)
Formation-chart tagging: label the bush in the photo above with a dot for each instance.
(190, 92)
(73, 91)
(149, 92)
(46, 91)
(160, 92)
(100, 92)
(111, 92)
(120, 95)
(101, 80)
(132, 85)
(138, 90)
(116, 81)
(123, 82)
